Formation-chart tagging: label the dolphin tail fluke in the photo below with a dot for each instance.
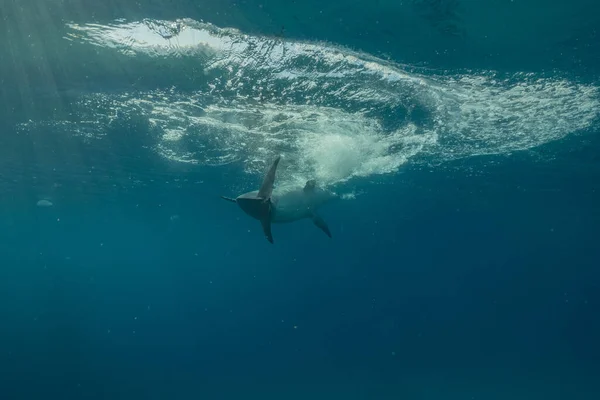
(321, 224)
(229, 199)
(266, 225)
(265, 219)
(267, 186)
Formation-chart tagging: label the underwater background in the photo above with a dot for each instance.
(462, 136)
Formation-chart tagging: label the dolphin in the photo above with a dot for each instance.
(283, 206)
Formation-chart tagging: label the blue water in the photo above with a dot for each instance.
(462, 137)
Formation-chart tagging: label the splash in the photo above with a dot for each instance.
(334, 113)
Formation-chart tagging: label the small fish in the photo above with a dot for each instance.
(44, 203)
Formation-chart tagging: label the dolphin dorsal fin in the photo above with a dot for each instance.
(310, 185)
(267, 186)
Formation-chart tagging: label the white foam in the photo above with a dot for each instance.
(334, 113)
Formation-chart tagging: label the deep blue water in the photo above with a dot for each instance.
(463, 137)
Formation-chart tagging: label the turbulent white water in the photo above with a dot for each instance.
(334, 114)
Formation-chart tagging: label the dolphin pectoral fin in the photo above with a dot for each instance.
(266, 225)
(229, 199)
(321, 224)
(267, 186)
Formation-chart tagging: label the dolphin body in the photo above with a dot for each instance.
(287, 206)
